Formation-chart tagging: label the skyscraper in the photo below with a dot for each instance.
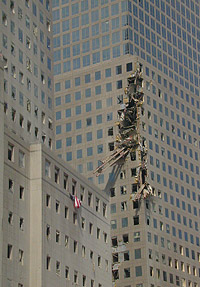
(54, 227)
(97, 45)
(27, 55)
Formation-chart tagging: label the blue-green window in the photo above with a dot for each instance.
(58, 115)
(78, 124)
(68, 127)
(68, 141)
(68, 113)
(79, 139)
(69, 156)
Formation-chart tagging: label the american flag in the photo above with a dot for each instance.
(77, 202)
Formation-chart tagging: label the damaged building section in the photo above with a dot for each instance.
(129, 140)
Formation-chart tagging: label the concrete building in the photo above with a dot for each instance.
(96, 47)
(46, 237)
(26, 48)
(46, 241)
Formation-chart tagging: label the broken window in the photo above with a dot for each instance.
(123, 174)
(10, 217)
(142, 111)
(115, 257)
(5, 108)
(115, 274)
(21, 256)
(10, 152)
(83, 251)
(13, 92)
(75, 246)
(57, 174)
(99, 261)
(114, 241)
(42, 78)
(50, 124)
(36, 111)
(28, 64)
(12, 49)
(89, 122)
(159, 93)
(21, 77)
(97, 204)
(123, 189)
(43, 118)
(28, 126)
(133, 155)
(90, 228)
(48, 231)
(98, 233)
(66, 241)
(134, 188)
(13, 114)
(125, 238)
(105, 236)
(21, 121)
(144, 126)
(48, 260)
(66, 212)
(89, 198)
(111, 146)
(4, 19)
(66, 272)
(127, 273)
(104, 210)
(57, 206)
(20, 14)
(75, 218)
(50, 143)
(65, 181)
(57, 267)
(135, 204)
(156, 133)
(123, 206)
(48, 200)
(9, 251)
(36, 132)
(21, 223)
(150, 254)
(28, 84)
(110, 131)
(83, 223)
(133, 172)
(120, 99)
(48, 24)
(136, 220)
(126, 256)
(151, 273)
(13, 71)
(57, 236)
(112, 192)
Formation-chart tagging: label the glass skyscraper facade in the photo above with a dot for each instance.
(96, 46)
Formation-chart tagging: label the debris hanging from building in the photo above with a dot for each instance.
(129, 140)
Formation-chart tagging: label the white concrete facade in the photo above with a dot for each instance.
(46, 240)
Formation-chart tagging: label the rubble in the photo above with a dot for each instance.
(129, 140)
